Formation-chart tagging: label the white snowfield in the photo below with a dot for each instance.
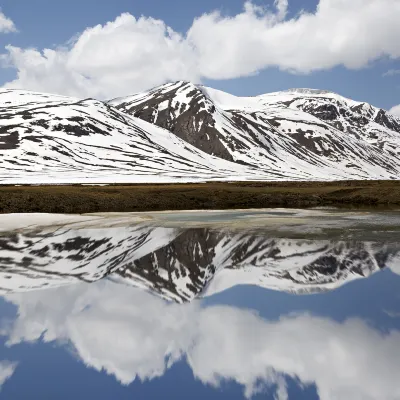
(63, 140)
(299, 134)
(293, 135)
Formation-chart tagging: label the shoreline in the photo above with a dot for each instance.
(80, 199)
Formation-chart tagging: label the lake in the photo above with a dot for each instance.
(247, 304)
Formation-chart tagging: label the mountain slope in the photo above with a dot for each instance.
(298, 134)
(54, 139)
(183, 132)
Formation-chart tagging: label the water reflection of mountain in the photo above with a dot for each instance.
(181, 264)
(37, 259)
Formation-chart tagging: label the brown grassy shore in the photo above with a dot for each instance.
(222, 195)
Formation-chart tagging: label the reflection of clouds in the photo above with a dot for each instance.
(7, 368)
(346, 361)
(394, 263)
(392, 314)
(124, 331)
(130, 334)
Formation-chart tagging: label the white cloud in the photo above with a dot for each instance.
(131, 334)
(392, 72)
(6, 24)
(123, 56)
(340, 32)
(7, 369)
(282, 8)
(129, 54)
(395, 111)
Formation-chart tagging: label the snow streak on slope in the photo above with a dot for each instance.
(54, 139)
(298, 134)
(184, 132)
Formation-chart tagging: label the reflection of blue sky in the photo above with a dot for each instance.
(49, 372)
(375, 300)
(108, 334)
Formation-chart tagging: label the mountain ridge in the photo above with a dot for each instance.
(51, 139)
(181, 132)
(271, 131)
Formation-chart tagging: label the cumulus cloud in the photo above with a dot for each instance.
(131, 334)
(6, 24)
(129, 54)
(7, 369)
(395, 111)
(340, 32)
(282, 8)
(392, 72)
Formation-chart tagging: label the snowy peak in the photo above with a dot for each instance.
(334, 108)
(299, 134)
(182, 131)
(184, 109)
(329, 106)
(307, 91)
(45, 138)
(180, 92)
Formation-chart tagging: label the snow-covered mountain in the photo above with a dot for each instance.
(55, 139)
(187, 132)
(297, 134)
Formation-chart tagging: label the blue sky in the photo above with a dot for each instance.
(255, 51)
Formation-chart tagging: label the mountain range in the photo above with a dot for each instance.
(186, 132)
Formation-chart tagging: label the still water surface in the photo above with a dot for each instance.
(274, 304)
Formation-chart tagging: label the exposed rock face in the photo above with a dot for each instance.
(187, 132)
(54, 139)
(291, 135)
(184, 110)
